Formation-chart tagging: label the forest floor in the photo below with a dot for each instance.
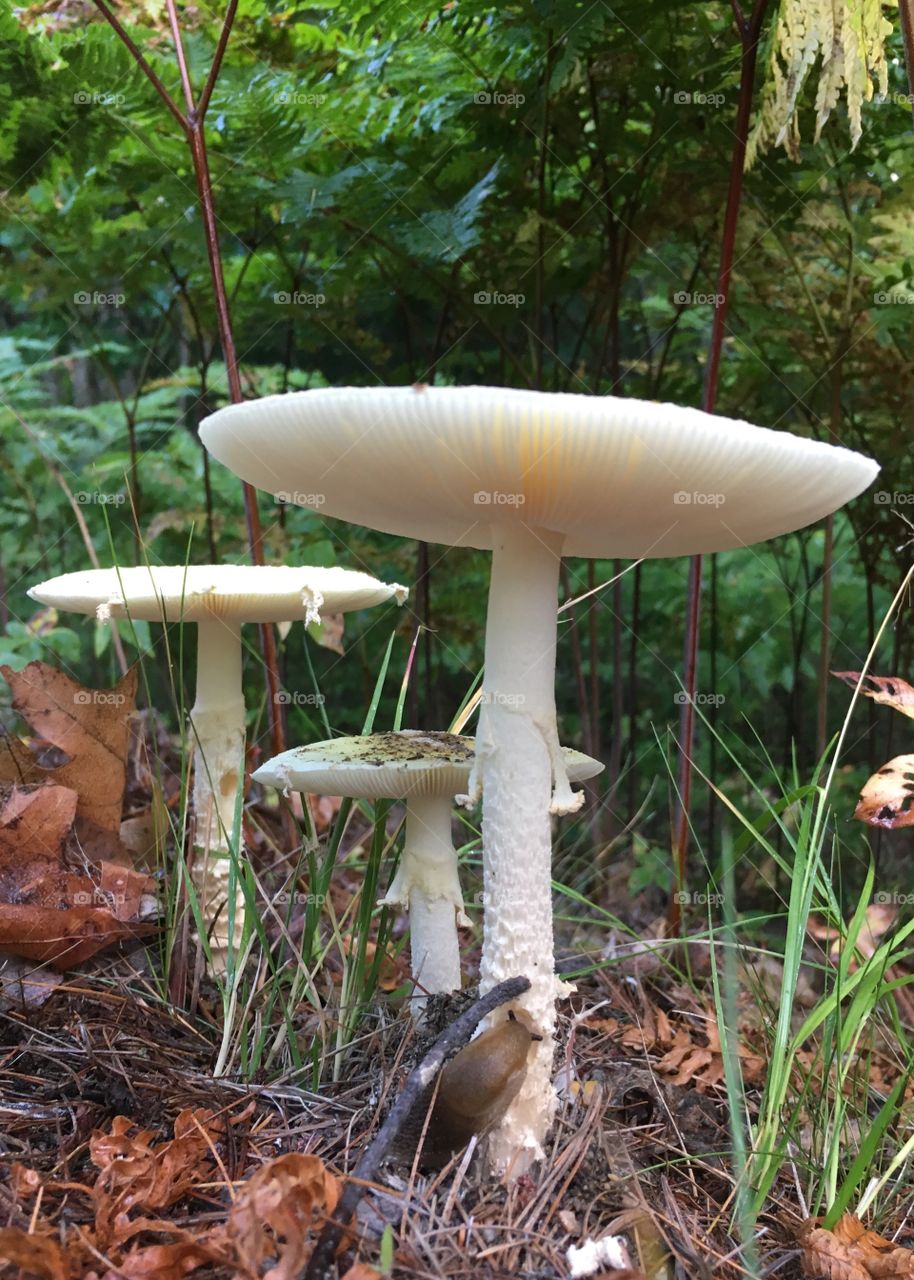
(121, 1156)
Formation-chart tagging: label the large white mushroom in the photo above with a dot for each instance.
(426, 771)
(534, 477)
(218, 598)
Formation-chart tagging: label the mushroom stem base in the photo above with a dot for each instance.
(517, 751)
(217, 732)
(428, 883)
(215, 880)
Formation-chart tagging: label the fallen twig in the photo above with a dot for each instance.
(323, 1260)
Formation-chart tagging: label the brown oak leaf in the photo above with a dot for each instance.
(49, 912)
(136, 1173)
(36, 1255)
(90, 726)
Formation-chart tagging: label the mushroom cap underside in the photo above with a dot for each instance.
(203, 593)
(390, 766)
(617, 477)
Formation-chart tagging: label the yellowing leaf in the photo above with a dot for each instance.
(887, 799)
(890, 691)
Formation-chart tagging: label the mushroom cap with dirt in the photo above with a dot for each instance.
(425, 770)
(534, 476)
(218, 598)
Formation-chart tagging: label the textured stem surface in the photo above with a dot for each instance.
(217, 723)
(518, 756)
(428, 884)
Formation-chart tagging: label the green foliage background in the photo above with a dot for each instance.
(530, 193)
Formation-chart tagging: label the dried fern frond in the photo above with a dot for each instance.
(848, 37)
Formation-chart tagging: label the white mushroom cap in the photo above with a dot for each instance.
(616, 477)
(208, 593)
(389, 766)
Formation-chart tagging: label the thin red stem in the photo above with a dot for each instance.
(214, 70)
(749, 33)
(182, 60)
(192, 127)
(143, 65)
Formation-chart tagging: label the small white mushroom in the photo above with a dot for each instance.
(533, 477)
(426, 771)
(218, 598)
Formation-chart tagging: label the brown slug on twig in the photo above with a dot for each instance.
(479, 1083)
(321, 1266)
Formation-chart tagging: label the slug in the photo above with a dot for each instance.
(476, 1088)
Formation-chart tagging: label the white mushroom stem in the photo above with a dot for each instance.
(523, 779)
(217, 724)
(427, 883)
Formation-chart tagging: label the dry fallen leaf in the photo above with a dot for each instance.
(161, 1261)
(48, 912)
(135, 1174)
(274, 1213)
(684, 1058)
(887, 798)
(17, 763)
(850, 1252)
(89, 725)
(890, 691)
(268, 1233)
(36, 1255)
(878, 920)
(323, 810)
(328, 633)
(392, 972)
(34, 822)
